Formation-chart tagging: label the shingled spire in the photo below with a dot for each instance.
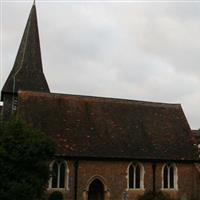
(27, 72)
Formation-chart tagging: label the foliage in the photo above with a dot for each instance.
(24, 155)
(154, 196)
(56, 196)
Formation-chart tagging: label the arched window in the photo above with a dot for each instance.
(55, 175)
(59, 174)
(135, 176)
(170, 176)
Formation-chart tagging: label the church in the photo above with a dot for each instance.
(107, 148)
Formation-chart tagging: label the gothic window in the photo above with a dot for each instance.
(169, 176)
(62, 176)
(55, 175)
(59, 174)
(135, 176)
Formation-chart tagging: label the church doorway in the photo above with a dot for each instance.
(96, 190)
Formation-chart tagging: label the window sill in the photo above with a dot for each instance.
(57, 189)
(135, 189)
(169, 189)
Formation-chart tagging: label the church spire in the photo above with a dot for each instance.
(27, 72)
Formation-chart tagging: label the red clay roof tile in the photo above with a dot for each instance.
(98, 127)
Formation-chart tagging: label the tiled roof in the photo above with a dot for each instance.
(197, 135)
(196, 132)
(97, 127)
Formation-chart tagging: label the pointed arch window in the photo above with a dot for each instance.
(55, 175)
(170, 176)
(135, 176)
(59, 177)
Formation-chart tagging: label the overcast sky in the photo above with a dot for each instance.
(137, 50)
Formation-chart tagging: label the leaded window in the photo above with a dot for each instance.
(135, 176)
(169, 176)
(59, 173)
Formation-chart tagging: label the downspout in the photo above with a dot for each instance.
(154, 177)
(76, 165)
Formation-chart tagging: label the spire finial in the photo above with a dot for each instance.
(34, 2)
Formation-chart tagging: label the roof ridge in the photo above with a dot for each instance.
(102, 98)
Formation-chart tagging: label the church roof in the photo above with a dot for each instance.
(197, 135)
(94, 127)
(27, 72)
(196, 132)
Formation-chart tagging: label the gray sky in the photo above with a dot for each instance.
(137, 50)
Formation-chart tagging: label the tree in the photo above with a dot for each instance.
(24, 156)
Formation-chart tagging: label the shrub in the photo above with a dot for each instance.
(56, 196)
(154, 196)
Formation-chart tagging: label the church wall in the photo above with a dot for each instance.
(188, 182)
(113, 175)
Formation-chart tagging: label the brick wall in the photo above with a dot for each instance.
(113, 174)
